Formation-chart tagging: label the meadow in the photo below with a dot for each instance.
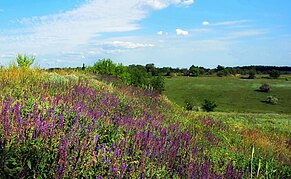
(231, 94)
(67, 124)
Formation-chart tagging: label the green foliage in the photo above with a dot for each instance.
(151, 69)
(208, 105)
(191, 105)
(139, 76)
(272, 100)
(24, 60)
(275, 74)
(265, 88)
(252, 74)
(158, 84)
(194, 70)
(106, 66)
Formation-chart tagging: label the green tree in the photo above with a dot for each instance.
(158, 84)
(138, 75)
(104, 66)
(252, 74)
(24, 60)
(275, 74)
(208, 105)
(151, 69)
(194, 70)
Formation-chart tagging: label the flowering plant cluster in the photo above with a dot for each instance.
(77, 129)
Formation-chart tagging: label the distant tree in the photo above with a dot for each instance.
(272, 100)
(151, 69)
(24, 60)
(252, 74)
(275, 74)
(104, 66)
(265, 88)
(220, 68)
(208, 105)
(139, 76)
(195, 71)
(158, 84)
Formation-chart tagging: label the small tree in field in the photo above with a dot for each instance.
(272, 100)
(24, 60)
(275, 74)
(265, 88)
(252, 74)
(208, 105)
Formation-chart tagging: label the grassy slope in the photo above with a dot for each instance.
(230, 142)
(231, 93)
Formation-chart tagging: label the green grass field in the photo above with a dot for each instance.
(231, 94)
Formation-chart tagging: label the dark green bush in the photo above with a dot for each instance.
(265, 88)
(272, 100)
(191, 105)
(208, 105)
(275, 74)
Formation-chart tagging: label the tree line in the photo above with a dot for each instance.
(150, 76)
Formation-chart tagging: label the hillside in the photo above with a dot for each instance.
(70, 125)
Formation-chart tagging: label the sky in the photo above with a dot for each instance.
(176, 33)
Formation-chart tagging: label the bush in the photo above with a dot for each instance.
(158, 84)
(265, 88)
(272, 100)
(25, 61)
(275, 74)
(208, 105)
(252, 74)
(190, 105)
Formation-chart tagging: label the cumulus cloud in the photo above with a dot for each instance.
(187, 2)
(160, 33)
(130, 45)
(205, 23)
(182, 32)
(79, 29)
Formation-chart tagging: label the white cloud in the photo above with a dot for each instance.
(182, 32)
(187, 2)
(161, 4)
(78, 29)
(131, 45)
(205, 23)
(225, 23)
(160, 33)
(289, 53)
(246, 33)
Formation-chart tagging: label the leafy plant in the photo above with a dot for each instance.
(208, 105)
(275, 74)
(272, 100)
(24, 60)
(252, 74)
(265, 88)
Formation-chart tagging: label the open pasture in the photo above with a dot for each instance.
(231, 94)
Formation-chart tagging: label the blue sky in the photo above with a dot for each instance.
(177, 33)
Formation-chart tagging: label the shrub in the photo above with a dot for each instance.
(25, 61)
(158, 84)
(265, 88)
(272, 100)
(208, 105)
(252, 74)
(275, 74)
(190, 105)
